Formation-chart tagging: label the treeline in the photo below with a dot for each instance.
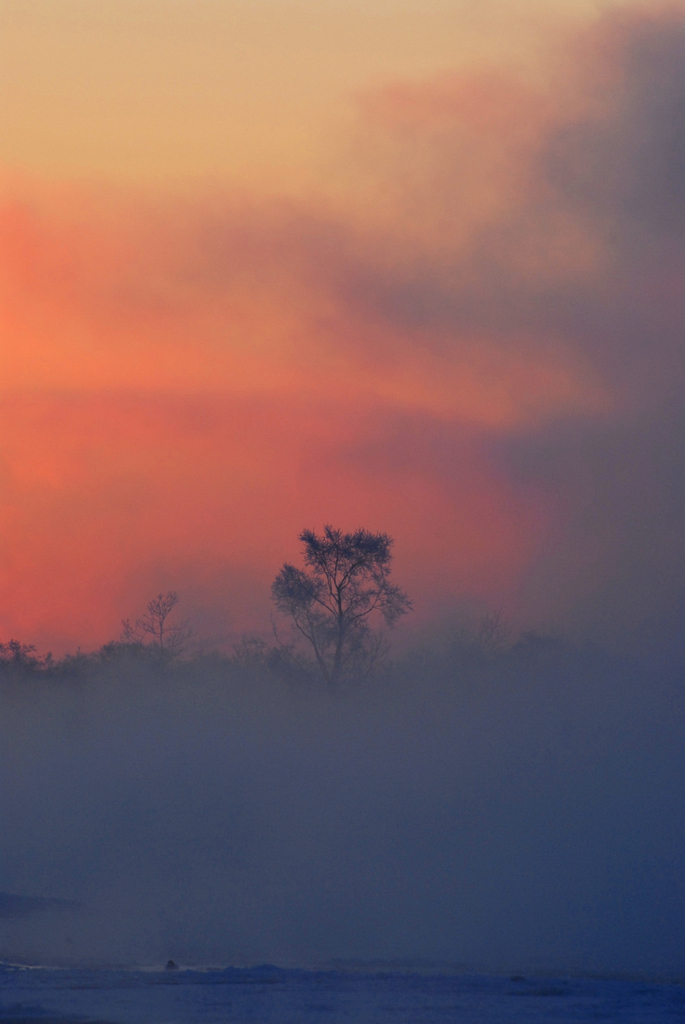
(472, 653)
(335, 617)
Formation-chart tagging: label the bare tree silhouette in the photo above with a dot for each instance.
(154, 630)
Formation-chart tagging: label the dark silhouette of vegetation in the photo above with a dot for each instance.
(20, 659)
(331, 602)
(155, 631)
(480, 657)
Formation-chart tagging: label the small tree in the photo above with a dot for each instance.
(154, 630)
(331, 604)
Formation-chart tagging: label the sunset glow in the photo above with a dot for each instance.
(265, 266)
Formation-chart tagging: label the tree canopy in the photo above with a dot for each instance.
(332, 601)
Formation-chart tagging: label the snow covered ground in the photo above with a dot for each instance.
(270, 995)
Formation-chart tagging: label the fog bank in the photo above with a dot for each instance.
(517, 812)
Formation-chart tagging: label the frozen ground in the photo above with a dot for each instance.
(269, 995)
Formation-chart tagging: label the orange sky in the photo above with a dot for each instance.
(231, 89)
(243, 247)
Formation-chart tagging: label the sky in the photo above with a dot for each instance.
(411, 267)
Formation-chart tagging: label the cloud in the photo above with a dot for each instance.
(475, 343)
